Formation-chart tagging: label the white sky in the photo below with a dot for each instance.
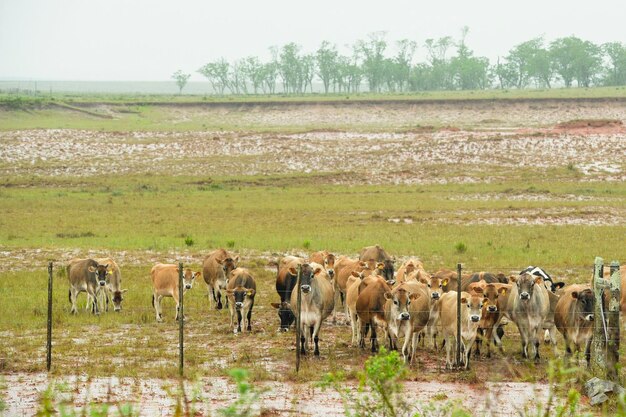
(150, 39)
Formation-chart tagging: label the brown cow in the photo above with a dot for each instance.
(375, 254)
(573, 317)
(165, 284)
(317, 303)
(215, 269)
(406, 268)
(285, 282)
(113, 290)
(241, 289)
(490, 315)
(471, 312)
(325, 258)
(370, 307)
(85, 275)
(352, 294)
(622, 271)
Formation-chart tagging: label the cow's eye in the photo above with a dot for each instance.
(428, 285)
(408, 302)
(395, 302)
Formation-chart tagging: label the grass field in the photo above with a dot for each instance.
(496, 187)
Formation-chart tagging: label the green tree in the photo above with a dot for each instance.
(327, 64)
(403, 62)
(530, 61)
(218, 74)
(181, 80)
(615, 72)
(575, 59)
(253, 72)
(373, 65)
(438, 76)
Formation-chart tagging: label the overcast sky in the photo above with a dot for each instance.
(150, 39)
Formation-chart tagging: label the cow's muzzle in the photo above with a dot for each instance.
(492, 309)
(102, 283)
(435, 295)
(524, 296)
(589, 317)
(305, 288)
(474, 318)
(187, 286)
(117, 309)
(239, 305)
(331, 273)
(404, 316)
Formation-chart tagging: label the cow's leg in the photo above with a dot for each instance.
(155, 304)
(355, 329)
(414, 342)
(302, 341)
(479, 340)
(588, 352)
(449, 350)
(374, 341)
(239, 318)
(316, 338)
(364, 329)
(231, 311)
(93, 293)
(73, 296)
(249, 316)
(536, 343)
(219, 299)
(405, 346)
(468, 354)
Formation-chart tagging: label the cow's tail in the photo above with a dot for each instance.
(69, 294)
(152, 300)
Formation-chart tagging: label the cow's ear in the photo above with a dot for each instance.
(574, 294)
(444, 282)
(317, 271)
(220, 261)
(355, 274)
(91, 269)
(275, 305)
(362, 264)
(559, 285)
(251, 292)
(388, 295)
(293, 271)
(477, 289)
(380, 266)
(502, 291)
(463, 300)
(423, 280)
(124, 290)
(230, 292)
(512, 278)
(196, 274)
(538, 280)
(391, 282)
(414, 296)
(236, 259)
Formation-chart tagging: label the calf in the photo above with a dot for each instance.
(317, 303)
(573, 317)
(490, 315)
(370, 307)
(375, 254)
(241, 289)
(406, 268)
(86, 275)
(528, 306)
(352, 294)
(165, 284)
(327, 259)
(215, 269)
(471, 312)
(113, 289)
(285, 282)
(344, 267)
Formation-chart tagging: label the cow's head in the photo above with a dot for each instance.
(329, 265)
(584, 303)
(400, 300)
(435, 286)
(490, 298)
(101, 272)
(526, 285)
(228, 264)
(239, 295)
(188, 278)
(474, 304)
(285, 314)
(385, 269)
(117, 300)
(307, 273)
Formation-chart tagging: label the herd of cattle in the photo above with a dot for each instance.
(407, 303)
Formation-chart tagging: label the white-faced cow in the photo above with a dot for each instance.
(317, 303)
(573, 317)
(85, 275)
(528, 307)
(471, 312)
(165, 284)
(241, 289)
(215, 269)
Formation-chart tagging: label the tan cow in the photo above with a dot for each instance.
(113, 289)
(492, 310)
(471, 312)
(573, 317)
(241, 289)
(370, 307)
(215, 269)
(325, 258)
(317, 303)
(165, 284)
(406, 268)
(622, 272)
(352, 294)
(375, 254)
(85, 275)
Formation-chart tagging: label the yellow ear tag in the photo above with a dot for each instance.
(381, 267)
(445, 282)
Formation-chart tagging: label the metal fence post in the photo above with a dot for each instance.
(598, 353)
(298, 311)
(181, 316)
(49, 339)
(612, 354)
(458, 315)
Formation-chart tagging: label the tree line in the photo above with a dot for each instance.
(377, 65)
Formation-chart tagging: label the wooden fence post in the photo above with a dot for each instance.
(598, 352)
(49, 338)
(458, 315)
(298, 311)
(181, 316)
(612, 355)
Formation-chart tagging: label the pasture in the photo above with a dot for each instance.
(496, 185)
